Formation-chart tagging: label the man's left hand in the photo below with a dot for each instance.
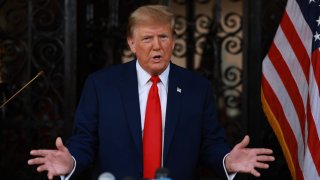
(246, 160)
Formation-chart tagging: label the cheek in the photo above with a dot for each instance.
(141, 50)
(169, 45)
(142, 53)
(145, 51)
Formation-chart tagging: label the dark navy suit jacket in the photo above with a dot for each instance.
(108, 125)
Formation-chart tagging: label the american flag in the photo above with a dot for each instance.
(290, 87)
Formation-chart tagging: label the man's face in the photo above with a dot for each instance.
(153, 45)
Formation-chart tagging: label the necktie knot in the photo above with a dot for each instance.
(155, 79)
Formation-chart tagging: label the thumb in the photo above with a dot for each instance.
(59, 144)
(244, 143)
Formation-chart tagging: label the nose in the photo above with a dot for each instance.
(156, 44)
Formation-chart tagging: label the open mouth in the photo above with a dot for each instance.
(157, 58)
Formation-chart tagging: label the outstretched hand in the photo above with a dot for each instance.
(246, 160)
(57, 162)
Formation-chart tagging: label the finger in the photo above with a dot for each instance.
(261, 165)
(255, 173)
(59, 144)
(42, 168)
(36, 161)
(244, 143)
(265, 158)
(41, 152)
(50, 176)
(262, 151)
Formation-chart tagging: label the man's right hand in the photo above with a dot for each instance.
(57, 162)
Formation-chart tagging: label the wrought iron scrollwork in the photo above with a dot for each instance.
(216, 40)
(221, 62)
(180, 25)
(231, 42)
(32, 38)
(48, 55)
(47, 16)
(232, 76)
(48, 52)
(180, 30)
(15, 19)
(12, 59)
(203, 23)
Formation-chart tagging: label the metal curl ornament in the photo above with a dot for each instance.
(12, 50)
(232, 44)
(16, 20)
(46, 19)
(233, 21)
(232, 100)
(180, 48)
(180, 25)
(48, 51)
(200, 44)
(203, 24)
(232, 77)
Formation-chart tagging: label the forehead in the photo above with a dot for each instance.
(152, 28)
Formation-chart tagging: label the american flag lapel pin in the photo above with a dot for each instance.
(179, 90)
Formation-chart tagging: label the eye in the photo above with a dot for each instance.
(164, 36)
(146, 39)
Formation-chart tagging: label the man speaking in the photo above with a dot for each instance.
(139, 116)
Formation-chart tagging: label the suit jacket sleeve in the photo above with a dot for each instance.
(83, 143)
(214, 146)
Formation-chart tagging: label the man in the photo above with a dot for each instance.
(113, 125)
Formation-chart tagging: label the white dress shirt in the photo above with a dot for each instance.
(144, 85)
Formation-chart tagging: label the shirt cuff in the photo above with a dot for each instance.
(229, 176)
(67, 177)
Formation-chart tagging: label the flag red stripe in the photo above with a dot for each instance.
(296, 44)
(296, 64)
(290, 140)
(289, 82)
(313, 138)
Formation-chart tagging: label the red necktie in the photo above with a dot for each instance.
(152, 133)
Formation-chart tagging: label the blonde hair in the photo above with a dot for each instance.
(150, 13)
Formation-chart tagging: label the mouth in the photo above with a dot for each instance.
(156, 58)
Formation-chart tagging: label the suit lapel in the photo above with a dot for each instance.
(129, 91)
(173, 108)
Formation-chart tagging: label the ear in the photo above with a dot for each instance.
(173, 43)
(131, 44)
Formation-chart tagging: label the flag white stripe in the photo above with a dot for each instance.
(302, 28)
(311, 89)
(293, 65)
(314, 101)
(309, 170)
(279, 89)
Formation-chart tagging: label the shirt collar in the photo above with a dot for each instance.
(144, 77)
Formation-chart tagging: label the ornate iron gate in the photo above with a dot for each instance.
(69, 39)
(35, 35)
